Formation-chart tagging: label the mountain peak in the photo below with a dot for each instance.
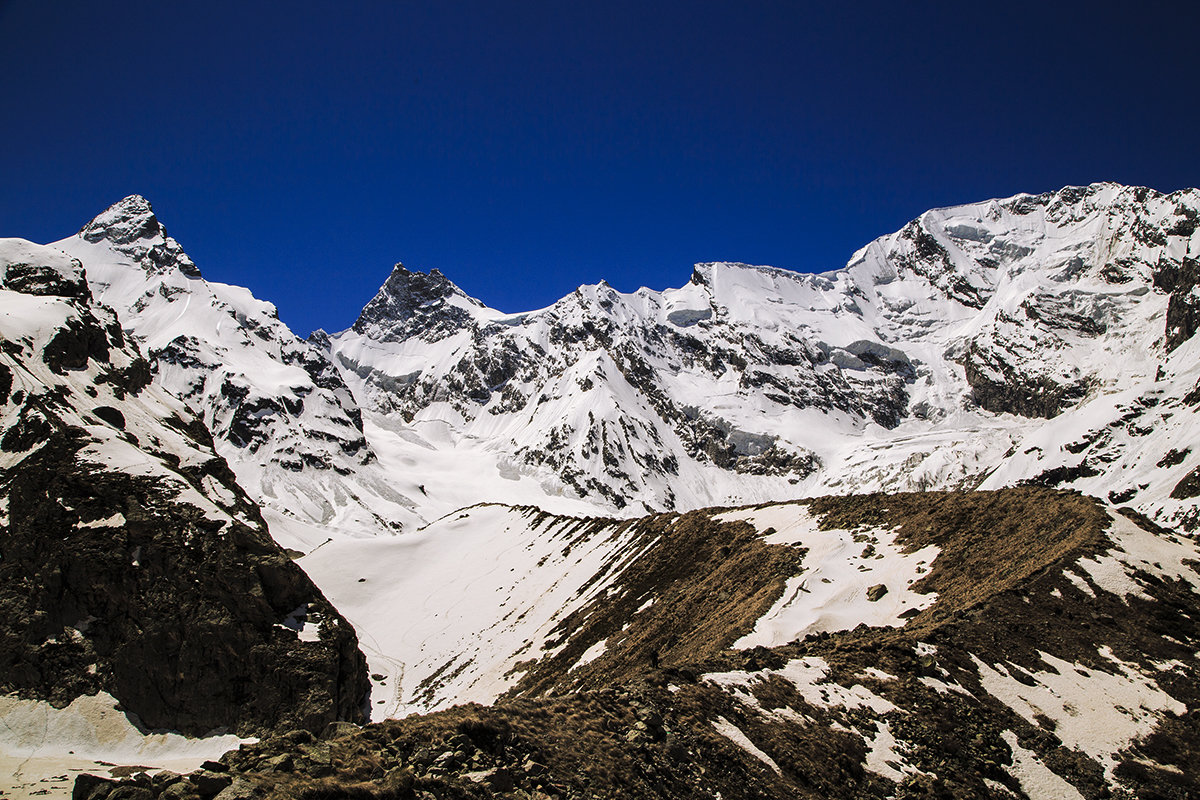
(701, 274)
(409, 286)
(406, 295)
(124, 222)
(130, 227)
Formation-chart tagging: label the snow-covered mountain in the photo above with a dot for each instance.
(1037, 338)
(277, 407)
(1025, 641)
(131, 562)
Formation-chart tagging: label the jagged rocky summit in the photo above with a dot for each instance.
(277, 407)
(131, 562)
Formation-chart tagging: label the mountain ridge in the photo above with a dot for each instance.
(1024, 642)
(954, 295)
(932, 351)
(278, 409)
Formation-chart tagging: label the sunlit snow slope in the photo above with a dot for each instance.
(447, 614)
(493, 599)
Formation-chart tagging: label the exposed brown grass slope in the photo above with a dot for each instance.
(903, 712)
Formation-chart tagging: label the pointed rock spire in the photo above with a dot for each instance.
(130, 227)
(406, 295)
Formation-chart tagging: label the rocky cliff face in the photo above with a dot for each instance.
(277, 407)
(130, 560)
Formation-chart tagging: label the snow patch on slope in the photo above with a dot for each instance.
(810, 676)
(1036, 779)
(735, 734)
(1137, 550)
(92, 727)
(839, 567)
(1097, 712)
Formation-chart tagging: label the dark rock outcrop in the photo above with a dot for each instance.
(131, 562)
(177, 615)
(1183, 309)
(1001, 385)
(414, 302)
(1188, 487)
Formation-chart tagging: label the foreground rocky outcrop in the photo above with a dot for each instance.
(131, 562)
(1025, 643)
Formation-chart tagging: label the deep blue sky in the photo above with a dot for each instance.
(524, 148)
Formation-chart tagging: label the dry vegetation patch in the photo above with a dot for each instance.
(651, 718)
(699, 585)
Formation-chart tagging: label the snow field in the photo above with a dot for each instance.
(92, 727)
(447, 613)
(43, 748)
